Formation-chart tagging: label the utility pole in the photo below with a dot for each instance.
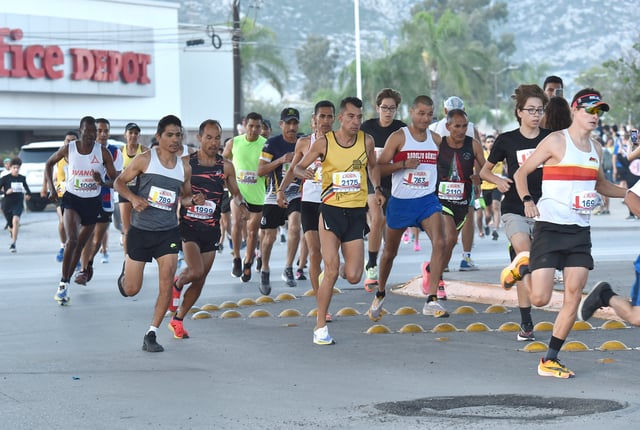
(237, 67)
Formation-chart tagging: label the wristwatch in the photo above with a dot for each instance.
(527, 198)
(378, 188)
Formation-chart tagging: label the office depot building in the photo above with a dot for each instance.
(124, 60)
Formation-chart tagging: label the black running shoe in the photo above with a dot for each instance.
(149, 343)
(265, 285)
(593, 301)
(236, 271)
(246, 272)
(121, 283)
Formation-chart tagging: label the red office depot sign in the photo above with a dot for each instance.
(44, 62)
(62, 60)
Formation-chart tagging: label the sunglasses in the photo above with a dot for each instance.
(593, 110)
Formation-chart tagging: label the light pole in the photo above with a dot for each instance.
(495, 92)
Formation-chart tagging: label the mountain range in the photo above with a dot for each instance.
(569, 36)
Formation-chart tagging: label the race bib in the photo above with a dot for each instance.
(84, 184)
(451, 190)
(523, 154)
(584, 202)
(161, 198)
(17, 187)
(247, 177)
(416, 178)
(346, 182)
(203, 211)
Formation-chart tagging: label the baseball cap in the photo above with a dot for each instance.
(289, 114)
(453, 102)
(592, 100)
(131, 126)
(267, 123)
(7, 160)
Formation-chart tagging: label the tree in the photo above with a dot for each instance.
(261, 59)
(617, 80)
(317, 61)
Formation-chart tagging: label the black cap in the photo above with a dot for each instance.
(289, 114)
(131, 126)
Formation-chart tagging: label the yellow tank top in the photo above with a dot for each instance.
(125, 156)
(344, 173)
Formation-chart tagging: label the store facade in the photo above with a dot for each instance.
(126, 61)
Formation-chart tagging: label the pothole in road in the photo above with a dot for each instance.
(497, 407)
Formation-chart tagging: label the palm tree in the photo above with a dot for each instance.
(261, 59)
(445, 51)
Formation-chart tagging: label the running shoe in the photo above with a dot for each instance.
(246, 272)
(406, 237)
(321, 337)
(120, 283)
(265, 286)
(105, 258)
(236, 270)
(371, 278)
(300, 275)
(486, 231)
(593, 301)
(416, 247)
(60, 255)
(175, 296)
(287, 276)
(62, 294)
(12, 248)
(442, 293)
(526, 334)
(495, 235)
(425, 278)
(177, 328)
(434, 309)
(375, 311)
(515, 270)
(558, 277)
(81, 278)
(467, 265)
(554, 368)
(150, 344)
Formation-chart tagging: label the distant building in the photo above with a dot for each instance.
(121, 60)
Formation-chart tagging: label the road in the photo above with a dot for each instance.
(81, 366)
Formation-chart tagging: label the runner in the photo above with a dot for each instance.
(348, 159)
(410, 155)
(200, 224)
(164, 180)
(81, 199)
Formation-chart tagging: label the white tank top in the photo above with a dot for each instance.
(312, 188)
(418, 182)
(568, 188)
(80, 170)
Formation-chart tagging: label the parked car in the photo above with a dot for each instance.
(34, 157)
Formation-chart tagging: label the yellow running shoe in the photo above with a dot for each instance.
(514, 271)
(554, 368)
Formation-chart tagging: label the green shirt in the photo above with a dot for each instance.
(246, 157)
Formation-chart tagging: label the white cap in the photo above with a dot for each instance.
(453, 102)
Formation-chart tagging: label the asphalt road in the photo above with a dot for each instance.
(82, 366)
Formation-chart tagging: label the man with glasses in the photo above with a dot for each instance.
(513, 148)
(572, 175)
(387, 102)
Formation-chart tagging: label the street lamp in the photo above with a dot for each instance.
(495, 92)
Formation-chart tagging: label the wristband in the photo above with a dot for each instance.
(527, 198)
(378, 188)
